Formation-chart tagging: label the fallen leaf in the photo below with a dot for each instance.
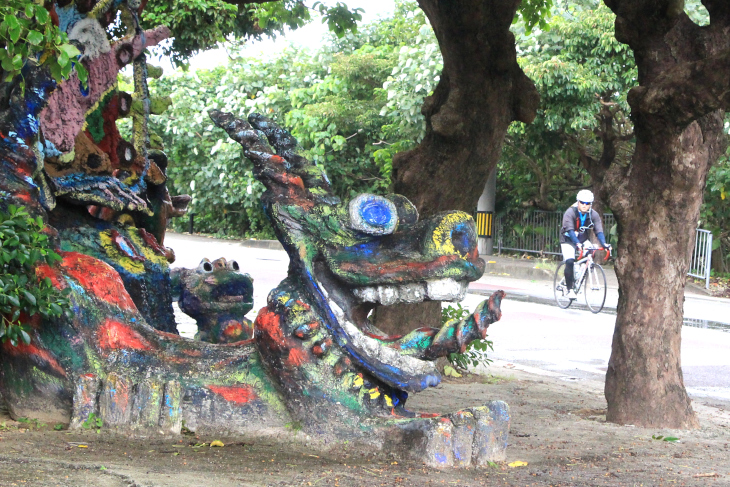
(451, 372)
(518, 463)
(83, 446)
(711, 474)
(217, 443)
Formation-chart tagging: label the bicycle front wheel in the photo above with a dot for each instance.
(595, 288)
(559, 287)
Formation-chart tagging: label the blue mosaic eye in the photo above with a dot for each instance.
(373, 214)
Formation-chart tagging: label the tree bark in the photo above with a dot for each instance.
(677, 111)
(481, 91)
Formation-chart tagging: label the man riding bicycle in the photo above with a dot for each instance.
(577, 221)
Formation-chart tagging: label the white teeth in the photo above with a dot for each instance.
(412, 293)
(388, 295)
(447, 289)
(367, 294)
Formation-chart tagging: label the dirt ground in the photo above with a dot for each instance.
(558, 429)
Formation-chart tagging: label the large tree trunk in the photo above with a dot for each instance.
(657, 211)
(481, 91)
(677, 111)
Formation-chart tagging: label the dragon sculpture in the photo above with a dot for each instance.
(314, 358)
(217, 295)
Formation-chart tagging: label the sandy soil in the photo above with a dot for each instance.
(558, 428)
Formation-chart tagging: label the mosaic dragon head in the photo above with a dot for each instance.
(344, 258)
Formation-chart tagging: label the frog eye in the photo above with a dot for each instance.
(373, 214)
(205, 265)
(233, 265)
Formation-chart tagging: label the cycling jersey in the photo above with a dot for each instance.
(580, 223)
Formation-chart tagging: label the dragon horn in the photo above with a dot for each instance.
(278, 137)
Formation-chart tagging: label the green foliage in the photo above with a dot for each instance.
(534, 14)
(715, 211)
(476, 351)
(93, 422)
(27, 34)
(198, 25)
(331, 100)
(578, 68)
(671, 439)
(22, 295)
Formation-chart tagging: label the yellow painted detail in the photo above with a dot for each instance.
(374, 393)
(133, 266)
(126, 219)
(388, 401)
(68, 156)
(442, 233)
(101, 98)
(148, 253)
(357, 381)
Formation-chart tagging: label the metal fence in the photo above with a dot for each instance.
(539, 232)
(701, 263)
(535, 231)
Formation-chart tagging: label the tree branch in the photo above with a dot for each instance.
(685, 93)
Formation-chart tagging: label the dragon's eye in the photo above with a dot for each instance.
(373, 214)
(233, 265)
(205, 265)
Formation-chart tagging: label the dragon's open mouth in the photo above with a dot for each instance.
(403, 362)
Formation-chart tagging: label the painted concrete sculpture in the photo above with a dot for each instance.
(314, 357)
(217, 295)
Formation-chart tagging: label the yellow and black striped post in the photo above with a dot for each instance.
(484, 224)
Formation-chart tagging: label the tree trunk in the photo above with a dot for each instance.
(657, 211)
(481, 91)
(677, 111)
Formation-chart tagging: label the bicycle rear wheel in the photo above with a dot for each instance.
(595, 288)
(559, 287)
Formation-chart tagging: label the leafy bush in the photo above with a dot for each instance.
(332, 101)
(22, 247)
(476, 351)
(27, 33)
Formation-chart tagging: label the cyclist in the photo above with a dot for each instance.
(577, 221)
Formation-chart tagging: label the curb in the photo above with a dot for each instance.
(528, 298)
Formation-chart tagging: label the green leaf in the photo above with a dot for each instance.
(35, 37)
(29, 297)
(69, 50)
(25, 337)
(17, 61)
(14, 33)
(41, 14)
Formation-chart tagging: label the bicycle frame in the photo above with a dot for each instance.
(585, 264)
(590, 280)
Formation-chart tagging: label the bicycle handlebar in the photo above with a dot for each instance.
(585, 251)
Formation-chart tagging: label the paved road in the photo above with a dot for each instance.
(572, 343)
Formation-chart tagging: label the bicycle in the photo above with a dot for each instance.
(589, 276)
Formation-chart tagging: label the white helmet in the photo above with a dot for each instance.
(585, 196)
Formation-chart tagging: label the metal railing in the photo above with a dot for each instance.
(539, 232)
(535, 231)
(701, 263)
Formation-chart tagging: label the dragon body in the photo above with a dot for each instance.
(312, 356)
